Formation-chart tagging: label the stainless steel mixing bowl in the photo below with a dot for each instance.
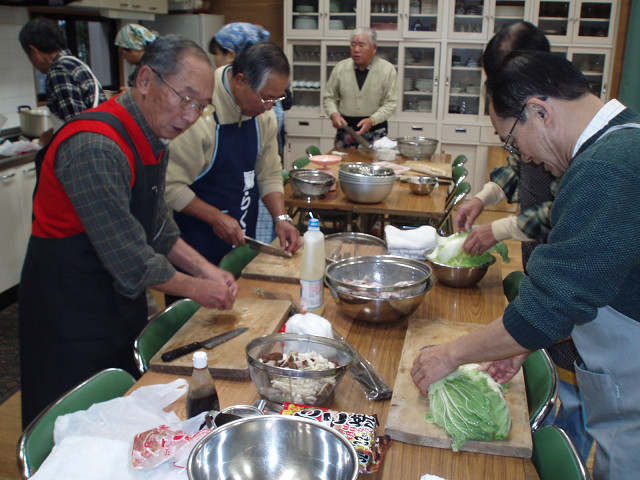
(274, 447)
(421, 185)
(461, 277)
(394, 286)
(417, 147)
(310, 183)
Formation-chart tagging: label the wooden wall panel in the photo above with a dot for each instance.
(268, 13)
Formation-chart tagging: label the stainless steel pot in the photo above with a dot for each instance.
(34, 123)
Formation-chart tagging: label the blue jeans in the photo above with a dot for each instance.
(570, 417)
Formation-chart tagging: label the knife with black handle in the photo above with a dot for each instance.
(209, 343)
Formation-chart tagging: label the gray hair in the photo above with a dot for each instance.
(369, 32)
(164, 56)
(260, 60)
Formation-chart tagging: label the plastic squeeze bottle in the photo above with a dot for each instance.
(312, 269)
(202, 395)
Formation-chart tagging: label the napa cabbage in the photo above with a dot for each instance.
(449, 251)
(469, 405)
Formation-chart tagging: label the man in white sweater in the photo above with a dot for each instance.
(361, 91)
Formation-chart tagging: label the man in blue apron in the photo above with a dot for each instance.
(585, 282)
(102, 233)
(228, 160)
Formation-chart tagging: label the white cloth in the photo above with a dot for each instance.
(385, 143)
(431, 477)
(96, 443)
(421, 238)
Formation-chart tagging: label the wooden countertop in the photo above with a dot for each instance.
(382, 346)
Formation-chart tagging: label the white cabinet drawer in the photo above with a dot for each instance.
(460, 133)
(417, 129)
(489, 135)
(303, 126)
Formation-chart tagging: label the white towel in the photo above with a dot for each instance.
(385, 142)
(421, 238)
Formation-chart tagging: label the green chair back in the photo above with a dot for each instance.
(312, 150)
(160, 329)
(541, 384)
(459, 174)
(511, 284)
(36, 441)
(461, 191)
(555, 457)
(459, 160)
(301, 163)
(237, 259)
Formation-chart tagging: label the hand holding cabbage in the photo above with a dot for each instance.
(449, 251)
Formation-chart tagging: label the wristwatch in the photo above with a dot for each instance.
(282, 217)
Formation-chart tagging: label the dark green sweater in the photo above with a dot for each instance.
(592, 258)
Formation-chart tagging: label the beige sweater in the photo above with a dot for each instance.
(378, 98)
(191, 153)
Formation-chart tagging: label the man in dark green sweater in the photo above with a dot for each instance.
(585, 282)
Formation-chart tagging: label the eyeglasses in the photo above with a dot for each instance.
(269, 102)
(185, 101)
(512, 149)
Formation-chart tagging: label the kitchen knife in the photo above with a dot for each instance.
(266, 248)
(209, 343)
(358, 138)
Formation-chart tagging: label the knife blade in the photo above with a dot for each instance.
(208, 343)
(266, 248)
(358, 138)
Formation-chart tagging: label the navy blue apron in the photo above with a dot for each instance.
(229, 184)
(70, 314)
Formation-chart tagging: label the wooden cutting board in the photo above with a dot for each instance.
(227, 360)
(405, 421)
(273, 268)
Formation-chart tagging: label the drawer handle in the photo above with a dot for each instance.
(303, 123)
(416, 128)
(7, 176)
(29, 169)
(461, 130)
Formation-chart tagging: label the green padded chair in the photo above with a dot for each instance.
(312, 150)
(459, 174)
(160, 329)
(511, 284)
(237, 259)
(445, 226)
(541, 384)
(36, 441)
(555, 457)
(459, 161)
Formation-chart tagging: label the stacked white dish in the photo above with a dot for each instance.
(305, 22)
(424, 85)
(336, 25)
(365, 182)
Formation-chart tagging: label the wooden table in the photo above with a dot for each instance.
(401, 201)
(382, 346)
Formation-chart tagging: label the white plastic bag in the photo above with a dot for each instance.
(96, 443)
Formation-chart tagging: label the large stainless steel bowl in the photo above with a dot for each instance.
(310, 183)
(393, 287)
(460, 277)
(274, 447)
(417, 147)
(365, 192)
(339, 246)
(309, 387)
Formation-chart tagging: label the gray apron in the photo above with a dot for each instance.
(609, 382)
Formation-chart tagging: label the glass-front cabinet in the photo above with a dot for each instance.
(477, 19)
(463, 81)
(577, 22)
(420, 81)
(306, 75)
(594, 64)
(329, 18)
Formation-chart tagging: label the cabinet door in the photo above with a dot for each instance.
(419, 79)
(594, 22)
(11, 229)
(423, 18)
(386, 17)
(463, 83)
(553, 17)
(339, 17)
(594, 64)
(468, 19)
(306, 76)
(506, 12)
(303, 18)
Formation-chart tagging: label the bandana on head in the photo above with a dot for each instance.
(134, 37)
(237, 36)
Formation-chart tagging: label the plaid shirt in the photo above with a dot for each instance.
(535, 221)
(70, 87)
(96, 176)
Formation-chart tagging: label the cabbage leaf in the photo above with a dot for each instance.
(469, 405)
(449, 251)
